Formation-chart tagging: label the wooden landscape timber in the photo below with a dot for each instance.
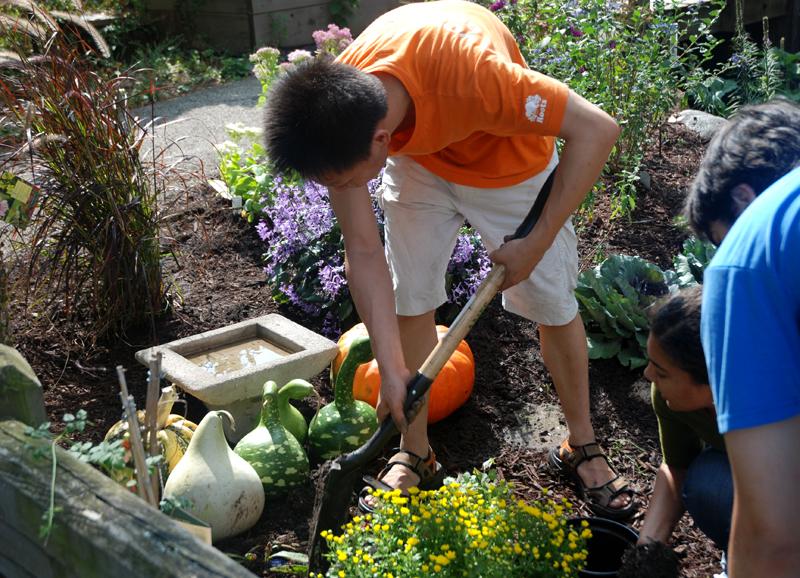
(100, 529)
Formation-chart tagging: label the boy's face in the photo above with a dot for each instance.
(362, 172)
(678, 388)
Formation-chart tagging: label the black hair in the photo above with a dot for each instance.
(756, 147)
(321, 116)
(675, 323)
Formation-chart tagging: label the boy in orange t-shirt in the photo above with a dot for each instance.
(439, 93)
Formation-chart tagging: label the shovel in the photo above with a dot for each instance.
(337, 480)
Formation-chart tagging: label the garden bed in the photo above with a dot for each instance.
(220, 280)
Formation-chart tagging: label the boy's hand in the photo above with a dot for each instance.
(520, 257)
(392, 397)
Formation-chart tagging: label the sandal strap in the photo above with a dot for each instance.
(424, 468)
(605, 494)
(574, 456)
(377, 484)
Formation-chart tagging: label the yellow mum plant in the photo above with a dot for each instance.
(472, 526)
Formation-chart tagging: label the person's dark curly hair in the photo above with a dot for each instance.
(757, 146)
(675, 323)
(321, 116)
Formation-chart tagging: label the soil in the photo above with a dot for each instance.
(217, 272)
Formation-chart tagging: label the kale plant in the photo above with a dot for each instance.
(612, 298)
(691, 262)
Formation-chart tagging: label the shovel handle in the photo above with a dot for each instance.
(419, 385)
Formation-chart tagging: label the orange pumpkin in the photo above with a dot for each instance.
(451, 388)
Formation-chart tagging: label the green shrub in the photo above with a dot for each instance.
(753, 74)
(625, 57)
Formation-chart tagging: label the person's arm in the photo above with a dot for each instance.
(589, 135)
(370, 285)
(765, 540)
(665, 507)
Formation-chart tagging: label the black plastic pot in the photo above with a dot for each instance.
(608, 543)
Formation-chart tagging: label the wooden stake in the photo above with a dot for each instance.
(151, 416)
(143, 484)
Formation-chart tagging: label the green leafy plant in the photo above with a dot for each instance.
(108, 457)
(612, 298)
(244, 169)
(94, 238)
(472, 526)
(753, 74)
(628, 58)
(172, 69)
(692, 261)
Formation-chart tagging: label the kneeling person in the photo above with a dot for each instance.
(695, 474)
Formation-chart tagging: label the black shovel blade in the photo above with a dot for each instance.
(337, 480)
(335, 487)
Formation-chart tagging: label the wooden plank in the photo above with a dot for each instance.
(753, 12)
(262, 6)
(793, 37)
(100, 529)
(21, 396)
(289, 28)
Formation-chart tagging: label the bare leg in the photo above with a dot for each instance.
(418, 335)
(566, 358)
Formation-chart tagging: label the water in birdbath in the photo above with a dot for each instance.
(238, 355)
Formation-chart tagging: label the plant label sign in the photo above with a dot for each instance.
(17, 200)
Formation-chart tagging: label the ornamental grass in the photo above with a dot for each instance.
(93, 246)
(472, 526)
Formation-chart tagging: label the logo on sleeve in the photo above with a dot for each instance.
(534, 108)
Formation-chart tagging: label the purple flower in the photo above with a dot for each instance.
(499, 5)
(331, 276)
(333, 40)
(574, 31)
(612, 44)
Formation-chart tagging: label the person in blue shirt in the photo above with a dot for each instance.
(746, 199)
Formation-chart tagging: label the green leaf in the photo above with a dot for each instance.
(602, 349)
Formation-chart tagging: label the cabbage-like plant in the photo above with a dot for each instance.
(691, 262)
(612, 299)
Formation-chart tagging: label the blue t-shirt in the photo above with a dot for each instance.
(751, 312)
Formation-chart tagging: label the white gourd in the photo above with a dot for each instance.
(223, 489)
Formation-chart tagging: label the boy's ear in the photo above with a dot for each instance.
(742, 195)
(382, 137)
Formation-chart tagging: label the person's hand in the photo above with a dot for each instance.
(392, 397)
(653, 559)
(520, 257)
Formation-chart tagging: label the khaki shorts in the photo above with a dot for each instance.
(423, 216)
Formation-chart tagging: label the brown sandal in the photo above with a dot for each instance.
(430, 473)
(566, 458)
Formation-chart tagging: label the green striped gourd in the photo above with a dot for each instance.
(274, 453)
(347, 423)
(291, 418)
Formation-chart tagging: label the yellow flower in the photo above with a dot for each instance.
(341, 555)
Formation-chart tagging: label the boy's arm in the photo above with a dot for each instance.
(665, 507)
(371, 288)
(589, 135)
(766, 471)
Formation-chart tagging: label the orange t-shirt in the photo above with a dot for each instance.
(482, 117)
